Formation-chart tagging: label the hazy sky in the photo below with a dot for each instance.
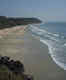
(51, 10)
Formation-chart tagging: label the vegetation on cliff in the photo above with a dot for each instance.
(7, 22)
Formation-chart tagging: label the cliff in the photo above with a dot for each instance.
(7, 22)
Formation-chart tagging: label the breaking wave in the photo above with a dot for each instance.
(56, 44)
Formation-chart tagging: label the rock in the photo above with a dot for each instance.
(15, 67)
(19, 66)
(28, 77)
(4, 60)
(11, 65)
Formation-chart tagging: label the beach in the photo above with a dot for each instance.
(39, 62)
(12, 42)
(19, 44)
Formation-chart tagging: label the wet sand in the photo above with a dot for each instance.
(20, 45)
(38, 62)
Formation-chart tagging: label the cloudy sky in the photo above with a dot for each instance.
(50, 10)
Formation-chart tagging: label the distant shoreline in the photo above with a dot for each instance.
(8, 22)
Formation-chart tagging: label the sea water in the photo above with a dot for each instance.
(53, 34)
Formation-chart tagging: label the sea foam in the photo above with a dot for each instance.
(55, 43)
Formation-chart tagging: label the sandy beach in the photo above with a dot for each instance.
(22, 46)
(12, 42)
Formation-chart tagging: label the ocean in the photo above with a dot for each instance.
(53, 34)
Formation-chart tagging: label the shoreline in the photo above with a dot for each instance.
(53, 58)
(21, 45)
(50, 52)
(39, 62)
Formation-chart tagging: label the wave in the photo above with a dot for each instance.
(65, 44)
(55, 42)
(51, 49)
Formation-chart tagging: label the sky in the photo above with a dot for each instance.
(47, 10)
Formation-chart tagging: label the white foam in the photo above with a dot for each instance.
(62, 65)
(65, 44)
(49, 46)
(56, 35)
(38, 29)
(54, 43)
(59, 63)
(53, 38)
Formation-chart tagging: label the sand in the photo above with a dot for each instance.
(38, 61)
(12, 42)
(19, 44)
